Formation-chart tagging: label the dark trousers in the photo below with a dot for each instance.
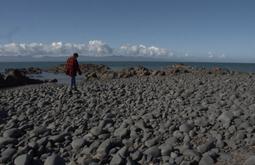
(73, 82)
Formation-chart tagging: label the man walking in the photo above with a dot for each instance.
(72, 67)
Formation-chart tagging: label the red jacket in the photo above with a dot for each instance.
(72, 66)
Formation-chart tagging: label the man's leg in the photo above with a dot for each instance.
(71, 84)
(74, 83)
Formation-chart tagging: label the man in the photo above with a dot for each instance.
(72, 67)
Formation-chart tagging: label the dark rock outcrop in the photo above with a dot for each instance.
(25, 71)
(17, 78)
(85, 68)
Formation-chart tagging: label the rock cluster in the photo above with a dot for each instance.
(141, 71)
(25, 71)
(181, 119)
(102, 72)
(15, 77)
(84, 68)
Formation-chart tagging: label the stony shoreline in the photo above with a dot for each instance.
(17, 77)
(179, 119)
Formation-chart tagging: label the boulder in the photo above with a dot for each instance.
(54, 160)
(153, 151)
(2, 82)
(78, 143)
(250, 161)
(17, 78)
(85, 68)
(25, 71)
(12, 133)
(206, 160)
(24, 159)
(226, 117)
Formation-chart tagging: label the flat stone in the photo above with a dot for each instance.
(43, 141)
(92, 148)
(152, 142)
(225, 156)
(206, 160)
(123, 152)
(78, 143)
(137, 155)
(205, 147)
(226, 117)
(122, 132)
(117, 160)
(54, 160)
(190, 153)
(7, 140)
(185, 127)
(96, 131)
(172, 141)
(40, 130)
(24, 159)
(250, 161)
(165, 149)
(153, 151)
(12, 133)
(57, 138)
(104, 148)
(7, 154)
(140, 124)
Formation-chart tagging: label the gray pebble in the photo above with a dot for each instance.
(250, 161)
(24, 159)
(54, 160)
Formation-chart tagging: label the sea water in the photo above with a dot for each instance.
(242, 67)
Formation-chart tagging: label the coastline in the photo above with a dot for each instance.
(117, 65)
(182, 117)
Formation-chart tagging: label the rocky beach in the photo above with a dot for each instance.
(179, 115)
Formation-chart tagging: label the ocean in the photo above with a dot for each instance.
(242, 67)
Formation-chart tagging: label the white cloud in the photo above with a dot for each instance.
(95, 48)
(99, 48)
(92, 48)
(216, 55)
(222, 55)
(142, 50)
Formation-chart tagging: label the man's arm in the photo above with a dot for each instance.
(78, 67)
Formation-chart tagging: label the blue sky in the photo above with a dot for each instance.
(192, 27)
